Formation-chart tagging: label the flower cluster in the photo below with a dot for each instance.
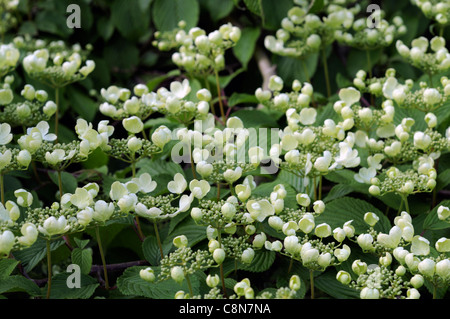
(299, 98)
(438, 60)
(435, 10)
(174, 103)
(303, 33)
(197, 52)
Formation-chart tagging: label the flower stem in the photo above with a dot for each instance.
(49, 269)
(2, 188)
(405, 199)
(325, 68)
(61, 192)
(102, 255)
(311, 279)
(191, 292)
(320, 187)
(158, 239)
(222, 276)
(57, 112)
(219, 94)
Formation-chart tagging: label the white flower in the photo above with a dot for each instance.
(53, 226)
(308, 116)
(347, 157)
(81, 198)
(349, 96)
(422, 140)
(260, 209)
(161, 136)
(42, 128)
(118, 190)
(306, 223)
(143, 211)
(180, 89)
(178, 185)
(84, 216)
(322, 163)
(145, 183)
(231, 175)
(199, 188)
(102, 211)
(5, 134)
(7, 241)
(24, 198)
(323, 230)
(420, 246)
(30, 234)
(133, 124)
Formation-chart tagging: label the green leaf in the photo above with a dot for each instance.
(263, 261)
(131, 21)
(242, 98)
(151, 251)
(83, 258)
(30, 257)
(218, 9)
(255, 118)
(82, 104)
(432, 221)
(194, 233)
(167, 14)
(69, 182)
(7, 266)
(60, 290)
(328, 283)
(254, 6)
(245, 47)
(19, 283)
(341, 210)
(131, 284)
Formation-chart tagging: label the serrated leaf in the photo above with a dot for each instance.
(341, 210)
(151, 250)
(7, 266)
(194, 233)
(83, 258)
(31, 256)
(131, 284)
(328, 283)
(60, 289)
(19, 283)
(262, 261)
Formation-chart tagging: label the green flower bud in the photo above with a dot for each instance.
(180, 241)
(343, 277)
(177, 274)
(219, 255)
(147, 274)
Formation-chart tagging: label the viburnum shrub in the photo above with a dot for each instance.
(253, 149)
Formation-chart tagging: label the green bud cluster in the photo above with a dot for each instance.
(120, 149)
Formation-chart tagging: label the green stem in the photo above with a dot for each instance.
(369, 63)
(405, 199)
(430, 77)
(158, 239)
(61, 192)
(208, 87)
(320, 187)
(291, 263)
(305, 70)
(49, 269)
(311, 279)
(219, 94)
(57, 112)
(102, 255)
(222, 276)
(2, 188)
(325, 68)
(191, 292)
(315, 188)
